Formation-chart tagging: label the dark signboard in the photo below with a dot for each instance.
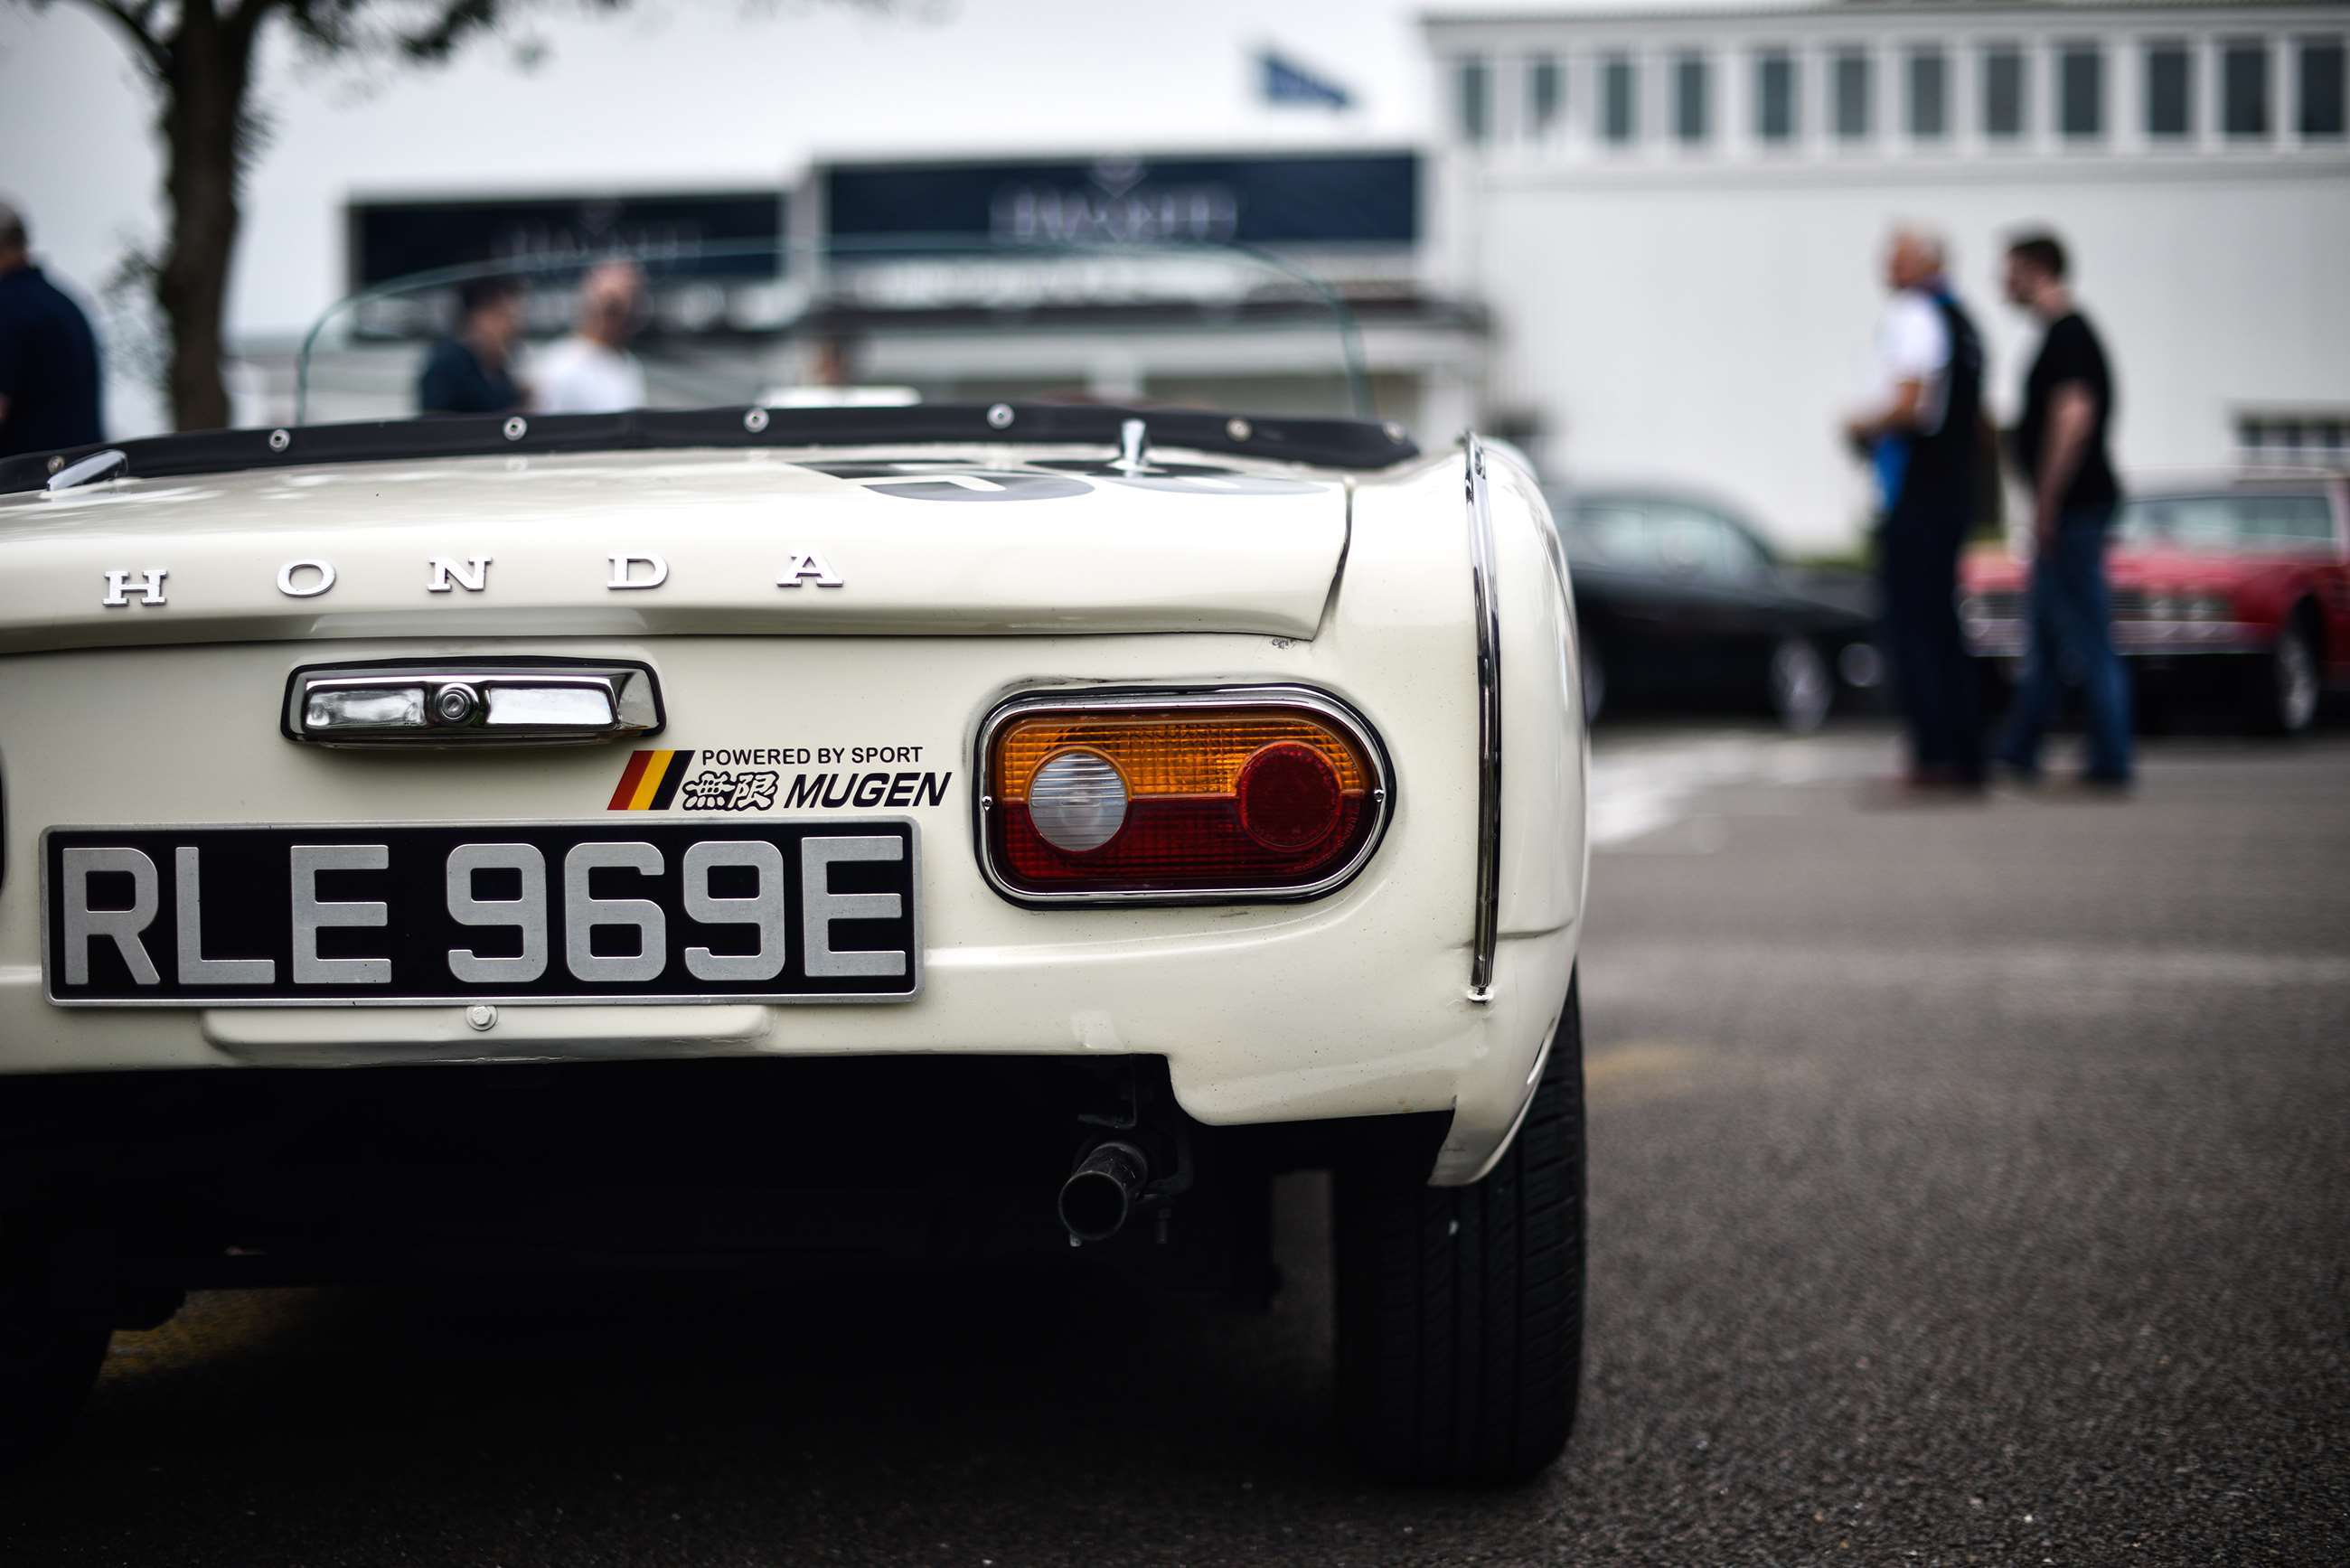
(395, 239)
(1296, 200)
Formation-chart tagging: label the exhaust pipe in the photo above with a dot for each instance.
(1101, 1193)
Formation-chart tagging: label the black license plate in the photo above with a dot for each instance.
(511, 912)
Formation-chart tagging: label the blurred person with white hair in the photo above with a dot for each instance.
(1922, 438)
(50, 384)
(592, 371)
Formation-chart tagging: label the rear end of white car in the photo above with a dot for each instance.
(763, 851)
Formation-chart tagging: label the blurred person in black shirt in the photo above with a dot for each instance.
(2060, 444)
(50, 384)
(473, 372)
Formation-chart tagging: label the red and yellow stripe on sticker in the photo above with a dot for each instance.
(649, 781)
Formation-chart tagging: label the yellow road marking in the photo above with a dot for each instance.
(1641, 1068)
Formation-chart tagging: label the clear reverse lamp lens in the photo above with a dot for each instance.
(1077, 801)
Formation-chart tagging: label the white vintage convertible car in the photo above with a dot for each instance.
(751, 834)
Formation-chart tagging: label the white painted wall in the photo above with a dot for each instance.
(1706, 315)
(1716, 334)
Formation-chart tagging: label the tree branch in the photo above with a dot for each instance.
(247, 16)
(152, 52)
(247, 20)
(441, 38)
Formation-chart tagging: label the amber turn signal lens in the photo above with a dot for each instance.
(1217, 796)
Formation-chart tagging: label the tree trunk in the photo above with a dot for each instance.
(204, 98)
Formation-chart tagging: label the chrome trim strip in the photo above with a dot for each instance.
(1319, 703)
(1486, 935)
(918, 977)
(630, 692)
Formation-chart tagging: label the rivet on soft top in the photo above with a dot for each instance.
(755, 420)
(1396, 432)
(1239, 430)
(516, 427)
(279, 439)
(999, 415)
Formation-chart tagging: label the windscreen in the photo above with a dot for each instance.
(840, 325)
(2243, 520)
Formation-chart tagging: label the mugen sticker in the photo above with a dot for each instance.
(764, 778)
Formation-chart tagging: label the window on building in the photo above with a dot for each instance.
(2081, 91)
(2169, 89)
(1691, 114)
(1850, 70)
(1618, 100)
(1473, 101)
(1545, 94)
(1930, 81)
(2244, 88)
(2321, 63)
(2296, 438)
(2004, 97)
(1774, 95)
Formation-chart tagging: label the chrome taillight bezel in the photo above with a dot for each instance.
(1323, 706)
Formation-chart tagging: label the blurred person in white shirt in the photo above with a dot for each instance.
(592, 371)
(1923, 438)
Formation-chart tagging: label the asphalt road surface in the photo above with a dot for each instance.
(1968, 1185)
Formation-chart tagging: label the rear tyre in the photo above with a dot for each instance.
(2290, 679)
(1802, 689)
(47, 1366)
(1459, 1310)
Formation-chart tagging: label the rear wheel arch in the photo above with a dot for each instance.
(1460, 1309)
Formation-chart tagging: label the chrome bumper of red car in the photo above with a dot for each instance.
(2135, 639)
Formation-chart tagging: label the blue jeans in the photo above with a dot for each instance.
(2072, 634)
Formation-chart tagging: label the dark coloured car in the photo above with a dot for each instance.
(1679, 604)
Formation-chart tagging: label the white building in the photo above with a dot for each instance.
(1677, 215)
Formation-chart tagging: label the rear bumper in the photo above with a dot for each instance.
(1277, 1016)
(2133, 639)
(1263, 1016)
(288, 1176)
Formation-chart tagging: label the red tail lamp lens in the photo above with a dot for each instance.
(1222, 797)
(1289, 798)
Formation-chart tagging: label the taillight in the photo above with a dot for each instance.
(1223, 795)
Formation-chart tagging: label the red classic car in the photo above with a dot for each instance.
(2237, 586)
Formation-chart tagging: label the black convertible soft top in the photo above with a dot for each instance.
(1323, 443)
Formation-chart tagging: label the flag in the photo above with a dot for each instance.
(1283, 80)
